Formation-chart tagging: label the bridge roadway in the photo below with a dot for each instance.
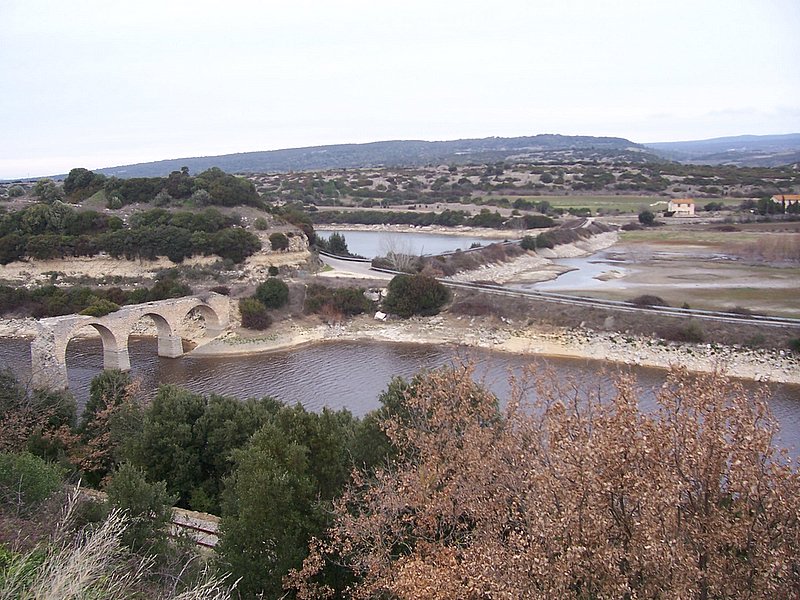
(49, 347)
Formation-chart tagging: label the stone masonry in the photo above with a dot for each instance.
(49, 348)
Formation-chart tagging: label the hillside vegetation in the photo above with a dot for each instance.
(45, 231)
(580, 188)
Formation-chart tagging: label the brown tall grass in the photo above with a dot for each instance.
(93, 563)
(774, 247)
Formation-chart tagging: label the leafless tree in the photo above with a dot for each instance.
(398, 252)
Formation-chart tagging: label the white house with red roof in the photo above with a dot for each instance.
(681, 207)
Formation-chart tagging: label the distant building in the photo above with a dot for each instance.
(681, 207)
(786, 199)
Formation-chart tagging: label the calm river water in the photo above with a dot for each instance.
(370, 244)
(348, 375)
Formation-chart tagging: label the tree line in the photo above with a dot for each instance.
(212, 186)
(47, 231)
(53, 301)
(445, 218)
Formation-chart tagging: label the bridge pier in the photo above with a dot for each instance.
(47, 371)
(116, 358)
(170, 346)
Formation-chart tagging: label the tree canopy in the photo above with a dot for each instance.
(56, 230)
(417, 294)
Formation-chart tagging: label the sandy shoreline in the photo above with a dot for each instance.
(537, 266)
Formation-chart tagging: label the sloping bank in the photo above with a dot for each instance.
(537, 266)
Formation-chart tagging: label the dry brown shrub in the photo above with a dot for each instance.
(773, 247)
(571, 496)
(330, 314)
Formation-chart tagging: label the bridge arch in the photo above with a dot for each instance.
(115, 347)
(213, 323)
(49, 348)
(170, 343)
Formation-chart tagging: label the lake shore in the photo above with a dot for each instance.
(493, 334)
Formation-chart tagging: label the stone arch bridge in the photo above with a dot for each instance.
(49, 347)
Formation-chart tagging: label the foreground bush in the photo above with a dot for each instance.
(570, 496)
(95, 564)
(26, 481)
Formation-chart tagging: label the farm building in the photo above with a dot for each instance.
(681, 207)
(786, 199)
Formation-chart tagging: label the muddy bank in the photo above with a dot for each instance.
(495, 334)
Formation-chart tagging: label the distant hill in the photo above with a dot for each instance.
(411, 153)
(742, 150)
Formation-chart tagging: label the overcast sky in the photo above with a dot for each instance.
(96, 83)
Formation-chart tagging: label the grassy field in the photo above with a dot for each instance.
(773, 301)
(688, 237)
(620, 204)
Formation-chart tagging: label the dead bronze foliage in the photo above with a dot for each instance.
(570, 495)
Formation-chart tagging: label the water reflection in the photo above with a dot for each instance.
(370, 244)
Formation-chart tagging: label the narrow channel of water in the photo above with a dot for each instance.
(348, 375)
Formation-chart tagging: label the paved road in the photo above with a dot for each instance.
(353, 269)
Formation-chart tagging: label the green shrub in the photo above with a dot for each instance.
(100, 308)
(273, 293)
(646, 300)
(273, 271)
(415, 295)
(261, 224)
(254, 314)
(646, 218)
(544, 241)
(27, 480)
(147, 508)
(279, 241)
(794, 345)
